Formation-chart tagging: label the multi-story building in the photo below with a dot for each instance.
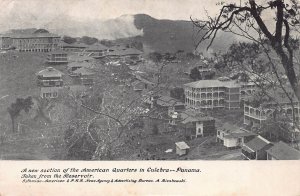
(51, 82)
(49, 77)
(57, 57)
(212, 94)
(37, 41)
(274, 102)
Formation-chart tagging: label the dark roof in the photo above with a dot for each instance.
(189, 115)
(96, 47)
(41, 31)
(168, 101)
(76, 58)
(238, 135)
(118, 47)
(257, 143)
(283, 151)
(125, 52)
(74, 45)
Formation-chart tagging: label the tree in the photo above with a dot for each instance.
(15, 109)
(88, 40)
(209, 75)
(195, 74)
(68, 39)
(155, 129)
(156, 57)
(246, 19)
(177, 93)
(138, 45)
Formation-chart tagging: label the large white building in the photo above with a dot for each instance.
(39, 40)
(221, 93)
(274, 102)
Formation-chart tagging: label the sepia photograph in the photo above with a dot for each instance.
(149, 80)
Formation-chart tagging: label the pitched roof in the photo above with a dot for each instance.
(238, 135)
(283, 151)
(50, 72)
(117, 47)
(189, 115)
(73, 45)
(73, 58)
(212, 83)
(33, 35)
(168, 101)
(257, 143)
(96, 47)
(182, 145)
(125, 52)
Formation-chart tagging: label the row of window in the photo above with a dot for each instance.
(206, 103)
(50, 95)
(257, 112)
(204, 95)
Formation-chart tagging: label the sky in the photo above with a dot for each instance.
(80, 17)
(107, 9)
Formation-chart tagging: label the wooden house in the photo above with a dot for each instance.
(196, 124)
(256, 149)
(49, 77)
(233, 136)
(282, 151)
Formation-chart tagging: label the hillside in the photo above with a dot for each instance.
(171, 36)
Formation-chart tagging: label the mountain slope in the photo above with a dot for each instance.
(171, 36)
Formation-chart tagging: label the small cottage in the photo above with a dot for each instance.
(182, 148)
(233, 136)
(256, 149)
(196, 124)
(282, 151)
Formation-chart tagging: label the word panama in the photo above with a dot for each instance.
(103, 170)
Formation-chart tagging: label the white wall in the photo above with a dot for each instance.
(230, 142)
